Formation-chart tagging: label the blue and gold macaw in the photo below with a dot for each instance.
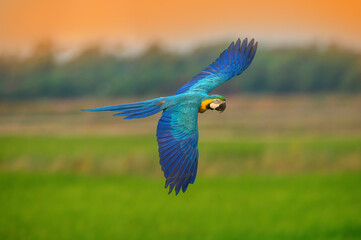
(177, 131)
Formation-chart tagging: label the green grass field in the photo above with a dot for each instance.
(104, 207)
(218, 157)
(269, 168)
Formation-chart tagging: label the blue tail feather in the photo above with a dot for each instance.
(133, 110)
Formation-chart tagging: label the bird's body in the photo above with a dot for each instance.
(177, 130)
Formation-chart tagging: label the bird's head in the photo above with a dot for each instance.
(217, 103)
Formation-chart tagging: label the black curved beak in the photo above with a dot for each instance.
(221, 107)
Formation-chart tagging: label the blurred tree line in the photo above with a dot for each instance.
(93, 73)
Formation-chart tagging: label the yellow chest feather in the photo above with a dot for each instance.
(204, 105)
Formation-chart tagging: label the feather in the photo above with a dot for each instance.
(231, 62)
(177, 136)
(134, 110)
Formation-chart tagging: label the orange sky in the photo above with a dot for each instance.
(178, 23)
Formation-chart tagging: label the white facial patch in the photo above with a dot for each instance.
(213, 105)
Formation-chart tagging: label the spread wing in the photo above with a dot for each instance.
(232, 61)
(177, 136)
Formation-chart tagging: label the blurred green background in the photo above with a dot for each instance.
(277, 165)
(94, 72)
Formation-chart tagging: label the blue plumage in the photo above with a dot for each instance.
(232, 61)
(177, 130)
(178, 145)
(134, 110)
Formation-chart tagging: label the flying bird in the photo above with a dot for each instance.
(177, 130)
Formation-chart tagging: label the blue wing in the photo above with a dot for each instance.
(232, 61)
(177, 136)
